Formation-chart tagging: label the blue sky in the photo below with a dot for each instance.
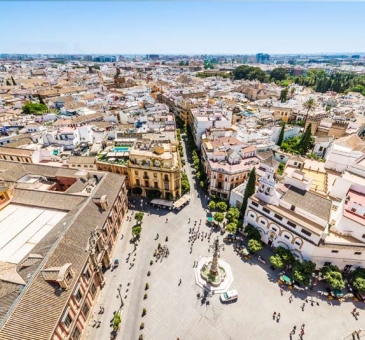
(137, 27)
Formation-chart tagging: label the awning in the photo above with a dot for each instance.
(159, 201)
(285, 278)
(181, 201)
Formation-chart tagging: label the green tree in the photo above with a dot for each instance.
(285, 254)
(302, 271)
(12, 79)
(232, 214)
(252, 233)
(358, 279)
(254, 245)
(136, 230)
(231, 227)
(281, 135)
(250, 73)
(309, 105)
(34, 108)
(139, 216)
(284, 95)
(218, 217)
(181, 63)
(278, 74)
(277, 261)
(333, 276)
(222, 206)
(211, 205)
(292, 91)
(249, 191)
(305, 140)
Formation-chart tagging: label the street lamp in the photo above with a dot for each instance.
(120, 295)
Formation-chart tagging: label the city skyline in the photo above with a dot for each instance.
(183, 28)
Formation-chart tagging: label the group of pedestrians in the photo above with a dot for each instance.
(197, 234)
(301, 330)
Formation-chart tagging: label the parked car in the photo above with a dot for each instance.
(230, 295)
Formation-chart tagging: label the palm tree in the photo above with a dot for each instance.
(309, 105)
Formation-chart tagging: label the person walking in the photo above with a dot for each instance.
(278, 318)
(180, 282)
(281, 291)
(273, 316)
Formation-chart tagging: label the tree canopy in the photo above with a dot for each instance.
(358, 279)
(278, 74)
(139, 216)
(252, 233)
(284, 95)
(218, 217)
(302, 271)
(254, 245)
(281, 135)
(222, 206)
(249, 191)
(333, 276)
(211, 205)
(250, 73)
(30, 108)
(231, 227)
(233, 214)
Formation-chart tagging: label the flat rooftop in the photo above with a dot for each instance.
(21, 228)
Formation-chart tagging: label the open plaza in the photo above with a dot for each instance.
(181, 310)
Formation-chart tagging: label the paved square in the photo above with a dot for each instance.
(175, 311)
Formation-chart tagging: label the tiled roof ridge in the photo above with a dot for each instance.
(45, 259)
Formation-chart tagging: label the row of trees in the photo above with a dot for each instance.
(319, 80)
(136, 230)
(198, 166)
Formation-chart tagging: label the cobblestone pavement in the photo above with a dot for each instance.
(174, 311)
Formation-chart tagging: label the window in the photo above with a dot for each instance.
(136, 172)
(274, 229)
(363, 236)
(254, 204)
(266, 210)
(252, 216)
(85, 309)
(2, 197)
(156, 185)
(78, 294)
(67, 320)
(68, 277)
(292, 208)
(286, 236)
(306, 232)
(293, 225)
(278, 217)
(357, 253)
(86, 273)
(93, 289)
(76, 334)
(154, 175)
(297, 243)
(137, 182)
(334, 251)
(262, 222)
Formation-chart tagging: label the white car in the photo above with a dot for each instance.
(230, 295)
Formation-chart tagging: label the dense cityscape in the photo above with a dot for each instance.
(142, 193)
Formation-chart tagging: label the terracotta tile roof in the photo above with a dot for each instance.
(41, 304)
